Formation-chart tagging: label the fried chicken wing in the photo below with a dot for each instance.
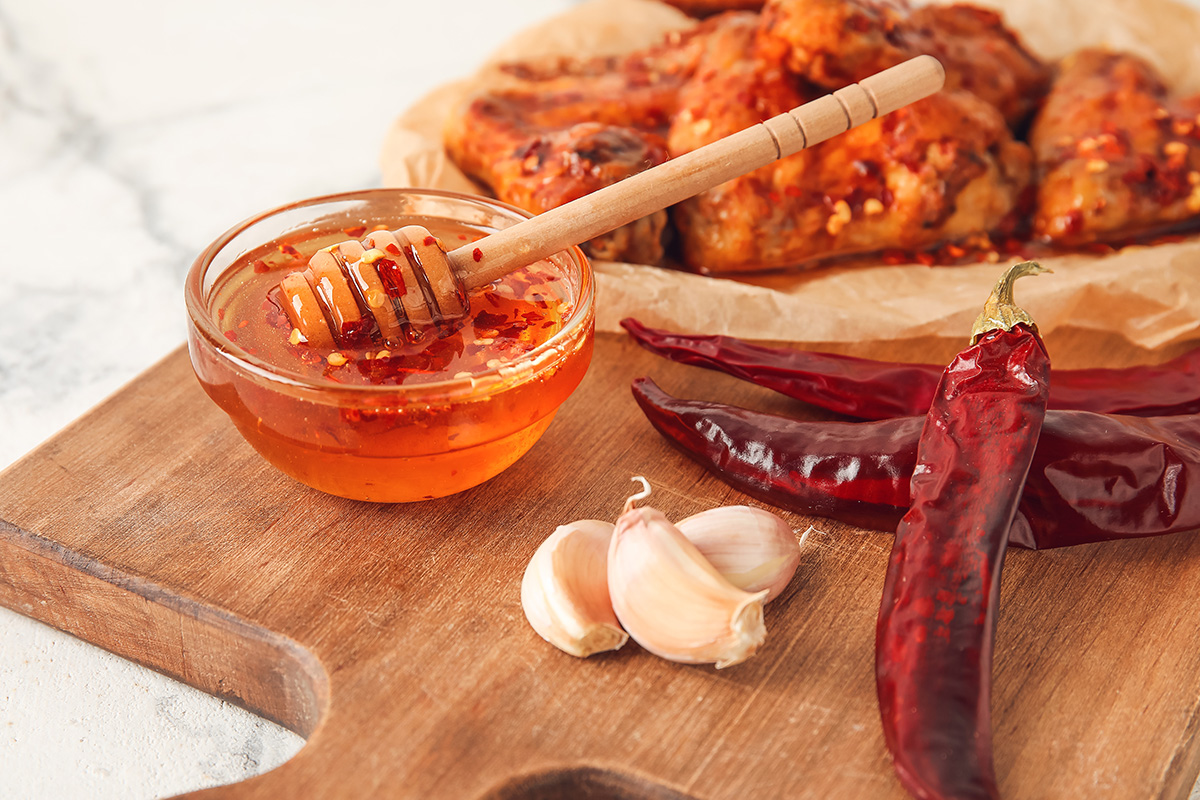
(938, 170)
(1116, 156)
(559, 129)
(835, 42)
(637, 90)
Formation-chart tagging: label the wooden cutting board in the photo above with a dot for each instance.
(392, 637)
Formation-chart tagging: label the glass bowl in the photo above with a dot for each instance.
(382, 443)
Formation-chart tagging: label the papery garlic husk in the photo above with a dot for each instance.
(672, 601)
(565, 590)
(751, 547)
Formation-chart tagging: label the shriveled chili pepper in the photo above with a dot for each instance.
(866, 389)
(937, 619)
(854, 472)
(1094, 477)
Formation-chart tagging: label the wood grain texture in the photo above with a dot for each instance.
(393, 638)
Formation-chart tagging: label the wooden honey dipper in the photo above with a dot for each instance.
(342, 283)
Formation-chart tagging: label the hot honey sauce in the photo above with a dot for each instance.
(505, 320)
(396, 411)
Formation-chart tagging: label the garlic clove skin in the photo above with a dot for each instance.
(672, 601)
(753, 548)
(564, 592)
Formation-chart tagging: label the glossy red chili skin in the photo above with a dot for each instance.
(937, 618)
(854, 472)
(1102, 477)
(867, 389)
(1094, 477)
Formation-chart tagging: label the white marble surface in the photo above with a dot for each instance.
(131, 134)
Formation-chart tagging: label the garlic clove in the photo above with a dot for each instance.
(564, 592)
(751, 547)
(672, 601)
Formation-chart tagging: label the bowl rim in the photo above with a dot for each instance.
(480, 382)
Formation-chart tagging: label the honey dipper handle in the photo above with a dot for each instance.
(634, 197)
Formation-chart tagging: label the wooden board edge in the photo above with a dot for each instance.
(197, 644)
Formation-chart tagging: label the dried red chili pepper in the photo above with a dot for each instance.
(854, 472)
(867, 389)
(937, 619)
(1094, 477)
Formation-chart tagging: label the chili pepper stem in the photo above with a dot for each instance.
(1001, 312)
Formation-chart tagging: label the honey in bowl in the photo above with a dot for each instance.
(434, 412)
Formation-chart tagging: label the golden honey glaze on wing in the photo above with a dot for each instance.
(1116, 155)
(836, 42)
(936, 171)
(558, 129)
